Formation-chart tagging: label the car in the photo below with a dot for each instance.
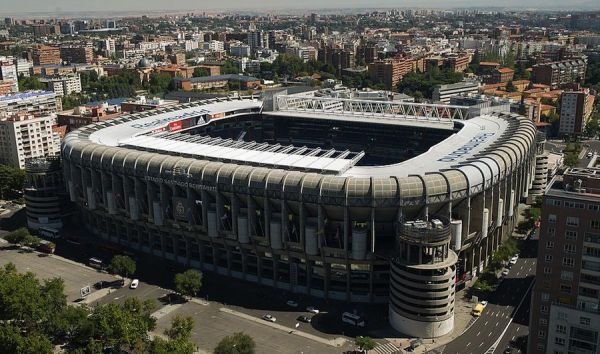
(269, 318)
(508, 351)
(303, 318)
(484, 303)
(292, 303)
(504, 272)
(516, 256)
(99, 285)
(589, 154)
(312, 309)
(477, 310)
(134, 284)
(513, 260)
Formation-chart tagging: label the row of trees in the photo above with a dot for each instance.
(488, 278)
(22, 237)
(35, 316)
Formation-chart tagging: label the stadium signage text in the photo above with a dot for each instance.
(467, 148)
(162, 121)
(182, 183)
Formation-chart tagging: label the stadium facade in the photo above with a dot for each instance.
(362, 201)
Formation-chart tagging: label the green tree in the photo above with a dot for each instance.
(27, 83)
(593, 125)
(199, 72)
(230, 67)
(365, 343)
(122, 327)
(159, 83)
(179, 338)
(238, 343)
(22, 237)
(189, 282)
(122, 265)
(11, 181)
(13, 340)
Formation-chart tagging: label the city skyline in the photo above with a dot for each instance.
(66, 6)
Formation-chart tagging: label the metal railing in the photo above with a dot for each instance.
(379, 109)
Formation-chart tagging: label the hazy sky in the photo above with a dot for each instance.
(21, 6)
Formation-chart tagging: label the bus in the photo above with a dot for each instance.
(49, 232)
(96, 263)
(355, 320)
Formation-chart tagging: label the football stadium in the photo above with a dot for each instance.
(345, 199)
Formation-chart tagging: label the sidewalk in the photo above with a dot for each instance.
(337, 342)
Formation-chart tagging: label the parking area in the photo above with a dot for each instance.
(212, 324)
(45, 267)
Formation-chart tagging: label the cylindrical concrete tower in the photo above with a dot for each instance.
(422, 280)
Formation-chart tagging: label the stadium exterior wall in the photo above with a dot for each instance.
(174, 207)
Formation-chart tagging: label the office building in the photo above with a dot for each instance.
(576, 108)
(565, 316)
(443, 93)
(24, 136)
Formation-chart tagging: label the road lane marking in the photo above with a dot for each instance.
(493, 347)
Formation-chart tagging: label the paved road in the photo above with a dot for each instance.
(495, 323)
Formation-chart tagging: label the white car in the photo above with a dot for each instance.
(134, 283)
(484, 303)
(513, 260)
(589, 154)
(269, 318)
(312, 309)
(504, 272)
(292, 303)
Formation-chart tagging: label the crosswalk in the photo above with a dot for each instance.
(387, 348)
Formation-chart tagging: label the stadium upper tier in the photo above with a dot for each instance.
(476, 154)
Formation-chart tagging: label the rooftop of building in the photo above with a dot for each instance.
(227, 77)
(578, 182)
(25, 95)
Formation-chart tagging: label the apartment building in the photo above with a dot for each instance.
(24, 136)
(8, 73)
(576, 108)
(390, 71)
(502, 75)
(565, 317)
(443, 93)
(304, 53)
(63, 85)
(557, 73)
(46, 55)
(39, 103)
(77, 54)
